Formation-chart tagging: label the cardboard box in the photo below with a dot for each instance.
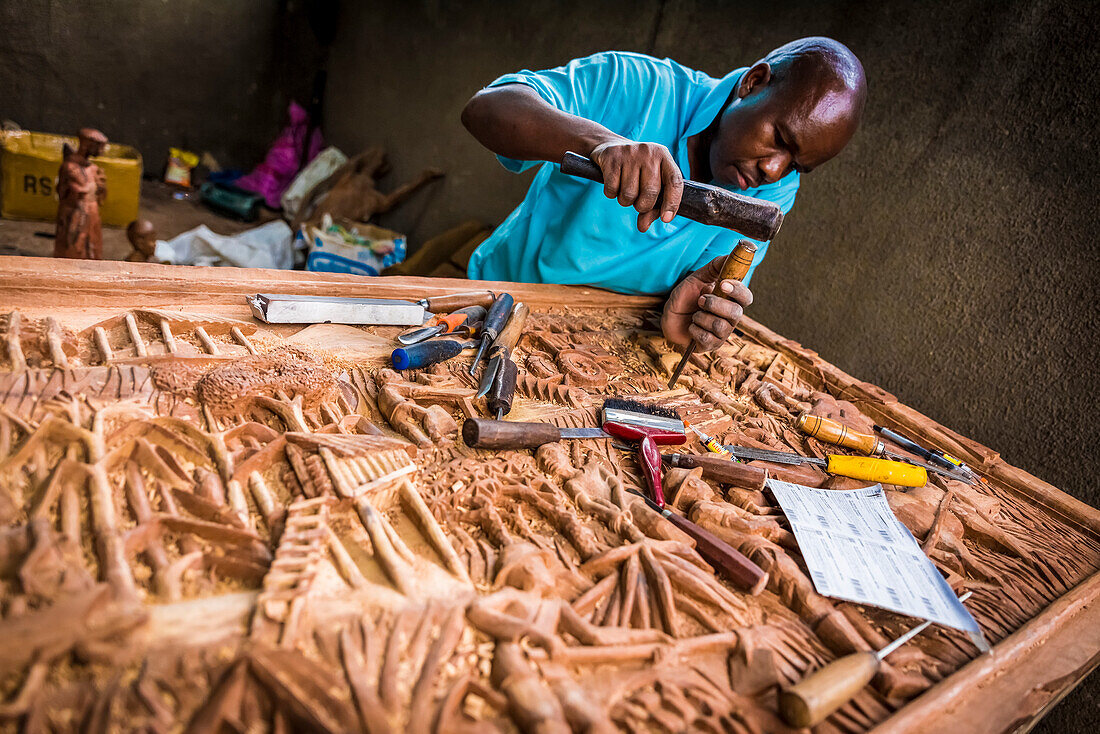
(28, 177)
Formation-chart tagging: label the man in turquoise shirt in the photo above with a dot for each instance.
(644, 121)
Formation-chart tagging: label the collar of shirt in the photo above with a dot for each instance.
(709, 107)
(713, 102)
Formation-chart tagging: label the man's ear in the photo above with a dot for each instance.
(755, 78)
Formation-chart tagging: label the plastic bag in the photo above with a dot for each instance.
(267, 246)
(324, 165)
(178, 170)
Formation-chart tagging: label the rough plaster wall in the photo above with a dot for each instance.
(189, 73)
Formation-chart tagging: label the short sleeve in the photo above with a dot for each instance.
(783, 195)
(603, 87)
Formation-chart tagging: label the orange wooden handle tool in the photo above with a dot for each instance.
(451, 321)
(736, 265)
(838, 434)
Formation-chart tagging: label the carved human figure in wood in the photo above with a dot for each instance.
(81, 190)
(143, 238)
(350, 194)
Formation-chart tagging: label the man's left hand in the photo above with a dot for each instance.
(693, 312)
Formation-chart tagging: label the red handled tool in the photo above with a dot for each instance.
(648, 426)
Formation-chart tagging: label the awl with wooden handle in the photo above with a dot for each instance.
(856, 467)
(814, 698)
(703, 203)
(483, 433)
(734, 267)
(838, 434)
(720, 555)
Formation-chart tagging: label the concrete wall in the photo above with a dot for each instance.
(201, 75)
(948, 254)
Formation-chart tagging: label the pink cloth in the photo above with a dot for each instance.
(271, 178)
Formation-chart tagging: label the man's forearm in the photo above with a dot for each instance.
(515, 122)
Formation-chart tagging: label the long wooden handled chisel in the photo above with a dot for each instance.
(838, 434)
(855, 467)
(722, 557)
(734, 267)
(483, 433)
(494, 321)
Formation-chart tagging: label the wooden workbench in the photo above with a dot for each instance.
(316, 548)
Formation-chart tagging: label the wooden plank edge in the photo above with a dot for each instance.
(1048, 656)
(107, 283)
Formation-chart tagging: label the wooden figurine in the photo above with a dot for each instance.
(143, 238)
(81, 189)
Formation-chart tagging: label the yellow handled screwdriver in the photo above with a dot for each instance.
(814, 698)
(734, 267)
(838, 434)
(855, 467)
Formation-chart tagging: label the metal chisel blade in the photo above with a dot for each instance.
(776, 457)
(956, 475)
(488, 376)
(583, 433)
(273, 308)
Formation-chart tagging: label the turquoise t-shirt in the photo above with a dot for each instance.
(566, 231)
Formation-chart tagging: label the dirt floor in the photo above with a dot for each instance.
(169, 215)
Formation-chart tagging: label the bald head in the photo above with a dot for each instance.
(818, 60)
(793, 110)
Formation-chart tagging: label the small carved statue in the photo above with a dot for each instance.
(81, 189)
(143, 238)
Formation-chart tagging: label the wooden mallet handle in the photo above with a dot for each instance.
(481, 433)
(703, 203)
(724, 558)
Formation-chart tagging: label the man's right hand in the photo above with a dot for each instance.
(642, 175)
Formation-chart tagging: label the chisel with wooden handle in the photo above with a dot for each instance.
(501, 350)
(855, 467)
(814, 698)
(483, 433)
(703, 203)
(454, 301)
(494, 322)
(838, 434)
(734, 267)
(720, 555)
